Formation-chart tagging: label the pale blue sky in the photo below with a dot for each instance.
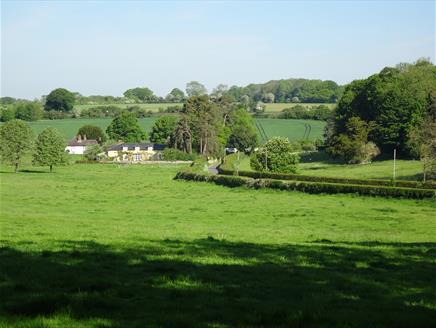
(106, 47)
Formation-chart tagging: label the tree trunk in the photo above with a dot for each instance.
(51, 168)
(16, 167)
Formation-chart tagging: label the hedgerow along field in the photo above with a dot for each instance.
(292, 129)
(152, 107)
(269, 108)
(127, 246)
(278, 107)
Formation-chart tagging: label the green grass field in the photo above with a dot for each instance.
(318, 164)
(152, 107)
(277, 107)
(292, 129)
(69, 127)
(128, 246)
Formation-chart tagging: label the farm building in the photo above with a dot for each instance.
(78, 145)
(135, 152)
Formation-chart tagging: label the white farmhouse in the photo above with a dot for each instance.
(77, 146)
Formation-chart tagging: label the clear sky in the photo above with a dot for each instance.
(106, 47)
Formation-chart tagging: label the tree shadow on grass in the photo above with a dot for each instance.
(23, 171)
(204, 282)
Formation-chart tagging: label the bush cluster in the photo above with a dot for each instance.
(171, 154)
(310, 187)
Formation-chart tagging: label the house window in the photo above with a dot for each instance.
(137, 157)
(124, 148)
(136, 148)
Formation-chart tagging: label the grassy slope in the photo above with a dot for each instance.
(118, 246)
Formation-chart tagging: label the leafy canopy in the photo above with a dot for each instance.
(60, 100)
(16, 140)
(125, 127)
(277, 155)
(49, 149)
(162, 129)
(92, 132)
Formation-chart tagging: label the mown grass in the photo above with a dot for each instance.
(127, 246)
(318, 164)
(277, 107)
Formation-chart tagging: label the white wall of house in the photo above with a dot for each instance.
(75, 150)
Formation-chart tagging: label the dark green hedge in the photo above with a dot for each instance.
(299, 177)
(310, 187)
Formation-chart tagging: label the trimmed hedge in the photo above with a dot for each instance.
(310, 187)
(299, 177)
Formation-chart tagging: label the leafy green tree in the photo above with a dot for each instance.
(394, 99)
(7, 100)
(125, 127)
(219, 90)
(142, 95)
(92, 132)
(195, 88)
(176, 95)
(16, 140)
(60, 100)
(49, 149)
(277, 155)
(243, 133)
(422, 141)
(28, 111)
(8, 114)
(91, 152)
(163, 129)
(353, 145)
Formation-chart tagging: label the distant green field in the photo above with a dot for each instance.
(277, 107)
(291, 129)
(69, 127)
(152, 107)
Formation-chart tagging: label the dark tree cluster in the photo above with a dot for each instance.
(394, 102)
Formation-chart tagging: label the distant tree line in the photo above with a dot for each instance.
(287, 91)
(319, 113)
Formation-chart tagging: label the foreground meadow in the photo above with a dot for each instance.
(128, 246)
